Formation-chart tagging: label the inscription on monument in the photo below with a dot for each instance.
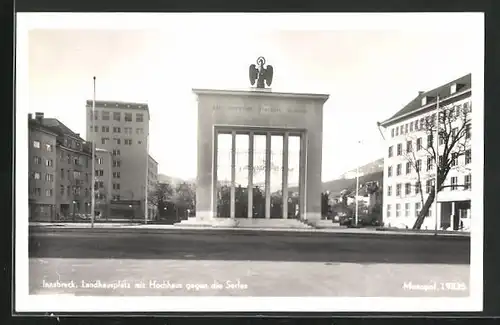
(263, 109)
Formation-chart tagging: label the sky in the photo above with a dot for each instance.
(369, 75)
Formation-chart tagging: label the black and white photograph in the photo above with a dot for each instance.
(249, 162)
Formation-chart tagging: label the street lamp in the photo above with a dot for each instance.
(437, 168)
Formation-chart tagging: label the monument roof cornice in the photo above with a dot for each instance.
(255, 92)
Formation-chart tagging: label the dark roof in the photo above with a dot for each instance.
(35, 123)
(118, 104)
(443, 91)
(59, 127)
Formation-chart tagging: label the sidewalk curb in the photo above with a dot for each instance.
(290, 231)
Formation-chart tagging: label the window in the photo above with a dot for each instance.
(116, 129)
(429, 164)
(117, 163)
(104, 140)
(105, 129)
(411, 126)
(117, 140)
(408, 188)
(49, 178)
(409, 146)
(429, 212)
(139, 117)
(116, 186)
(86, 192)
(454, 133)
(139, 142)
(401, 129)
(406, 128)
(100, 160)
(389, 171)
(116, 116)
(407, 210)
(388, 210)
(428, 185)
(422, 123)
(430, 139)
(440, 160)
(467, 131)
(96, 128)
(468, 156)
(392, 133)
(49, 163)
(96, 115)
(128, 117)
(398, 170)
(48, 192)
(397, 131)
(417, 187)
(467, 182)
(398, 189)
(36, 175)
(116, 152)
(398, 210)
(441, 139)
(105, 116)
(48, 147)
(417, 209)
(418, 165)
(408, 168)
(400, 149)
(454, 159)
(419, 144)
(453, 183)
(139, 131)
(37, 160)
(389, 190)
(390, 151)
(128, 142)
(61, 174)
(61, 190)
(116, 174)
(99, 172)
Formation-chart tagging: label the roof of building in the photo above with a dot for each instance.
(118, 104)
(35, 123)
(444, 91)
(151, 157)
(60, 128)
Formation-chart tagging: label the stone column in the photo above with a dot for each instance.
(302, 176)
(233, 174)
(285, 176)
(250, 175)
(453, 211)
(314, 143)
(205, 167)
(215, 196)
(268, 175)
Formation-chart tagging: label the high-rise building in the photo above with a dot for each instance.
(410, 170)
(122, 128)
(152, 183)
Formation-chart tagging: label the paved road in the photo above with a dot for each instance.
(264, 263)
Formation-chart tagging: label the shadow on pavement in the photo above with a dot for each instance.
(249, 246)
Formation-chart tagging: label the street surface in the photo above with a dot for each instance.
(246, 263)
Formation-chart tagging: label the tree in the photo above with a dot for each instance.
(453, 125)
(161, 196)
(184, 197)
(324, 204)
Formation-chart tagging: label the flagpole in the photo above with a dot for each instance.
(93, 162)
(146, 210)
(437, 169)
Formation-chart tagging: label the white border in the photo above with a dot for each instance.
(351, 21)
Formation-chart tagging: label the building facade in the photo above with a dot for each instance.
(410, 170)
(152, 183)
(103, 186)
(122, 128)
(60, 171)
(42, 170)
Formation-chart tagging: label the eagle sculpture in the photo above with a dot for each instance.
(260, 73)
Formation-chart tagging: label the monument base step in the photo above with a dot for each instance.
(245, 223)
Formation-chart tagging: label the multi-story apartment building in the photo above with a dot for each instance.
(122, 128)
(152, 183)
(410, 144)
(42, 170)
(103, 185)
(59, 169)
